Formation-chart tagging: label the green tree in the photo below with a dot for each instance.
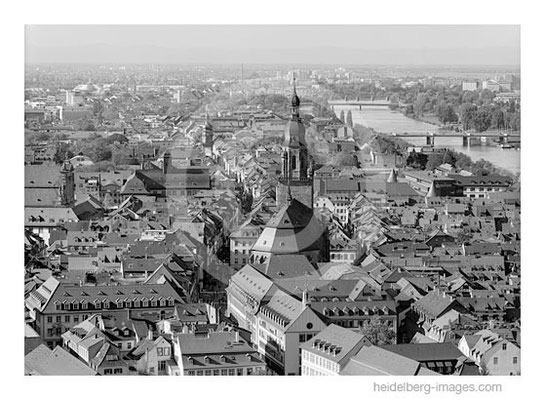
(468, 112)
(416, 160)
(378, 333)
(449, 158)
(498, 119)
(434, 160)
(445, 112)
(420, 104)
(462, 161)
(482, 120)
(64, 152)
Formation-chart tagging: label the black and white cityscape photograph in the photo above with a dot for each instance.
(225, 198)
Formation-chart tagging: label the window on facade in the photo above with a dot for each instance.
(159, 351)
(67, 318)
(495, 360)
(199, 373)
(224, 372)
(76, 319)
(49, 319)
(208, 372)
(240, 371)
(504, 346)
(58, 318)
(231, 371)
(515, 360)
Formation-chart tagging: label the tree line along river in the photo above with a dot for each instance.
(384, 120)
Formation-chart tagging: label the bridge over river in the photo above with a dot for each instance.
(468, 138)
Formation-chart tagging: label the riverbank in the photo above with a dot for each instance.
(386, 143)
(429, 119)
(388, 122)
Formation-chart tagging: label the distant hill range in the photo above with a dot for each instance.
(105, 53)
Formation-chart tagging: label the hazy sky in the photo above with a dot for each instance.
(185, 42)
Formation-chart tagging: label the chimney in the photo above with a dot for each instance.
(150, 334)
(304, 298)
(236, 337)
(166, 162)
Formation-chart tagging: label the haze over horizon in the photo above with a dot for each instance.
(470, 45)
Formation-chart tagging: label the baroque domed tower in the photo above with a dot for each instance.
(297, 173)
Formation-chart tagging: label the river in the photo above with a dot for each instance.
(385, 120)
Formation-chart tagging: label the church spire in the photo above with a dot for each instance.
(295, 101)
(393, 177)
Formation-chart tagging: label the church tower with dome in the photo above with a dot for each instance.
(296, 178)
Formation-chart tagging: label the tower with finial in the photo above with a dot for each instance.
(68, 185)
(296, 175)
(208, 137)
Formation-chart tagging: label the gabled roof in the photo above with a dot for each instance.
(335, 343)
(423, 352)
(212, 343)
(434, 304)
(373, 360)
(252, 282)
(293, 229)
(287, 266)
(43, 361)
(42, 176)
